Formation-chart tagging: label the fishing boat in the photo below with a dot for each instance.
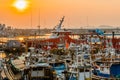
(60, 38)
(107, 68)
(108, 65)
(84, 54)
(18, 70)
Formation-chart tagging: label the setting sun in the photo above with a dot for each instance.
(21, 4)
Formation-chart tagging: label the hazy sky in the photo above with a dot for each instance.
(77, 13)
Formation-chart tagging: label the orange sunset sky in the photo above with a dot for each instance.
(78, 13)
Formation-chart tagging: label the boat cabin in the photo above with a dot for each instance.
(38, 72)
(59, 67)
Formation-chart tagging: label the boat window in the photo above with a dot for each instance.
(38, 68)
(56, 64)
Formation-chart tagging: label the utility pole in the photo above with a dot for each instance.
(87, 22)
(39, 21)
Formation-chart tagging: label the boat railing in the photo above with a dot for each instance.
(3, 74)
(11, 73)
(7, 72)
(103, 78)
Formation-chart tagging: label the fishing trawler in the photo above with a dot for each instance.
(107, 67)
(84, 52)
(59, 38)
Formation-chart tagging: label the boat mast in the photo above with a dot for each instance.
(60, 24)
(39, 21)
(61, 21)
(87, 22)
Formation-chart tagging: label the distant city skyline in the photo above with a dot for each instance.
(47, 13)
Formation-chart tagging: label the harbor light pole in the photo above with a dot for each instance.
(39, 29)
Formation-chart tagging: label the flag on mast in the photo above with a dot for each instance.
(66, 44)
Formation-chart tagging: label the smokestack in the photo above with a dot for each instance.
(113, 34)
